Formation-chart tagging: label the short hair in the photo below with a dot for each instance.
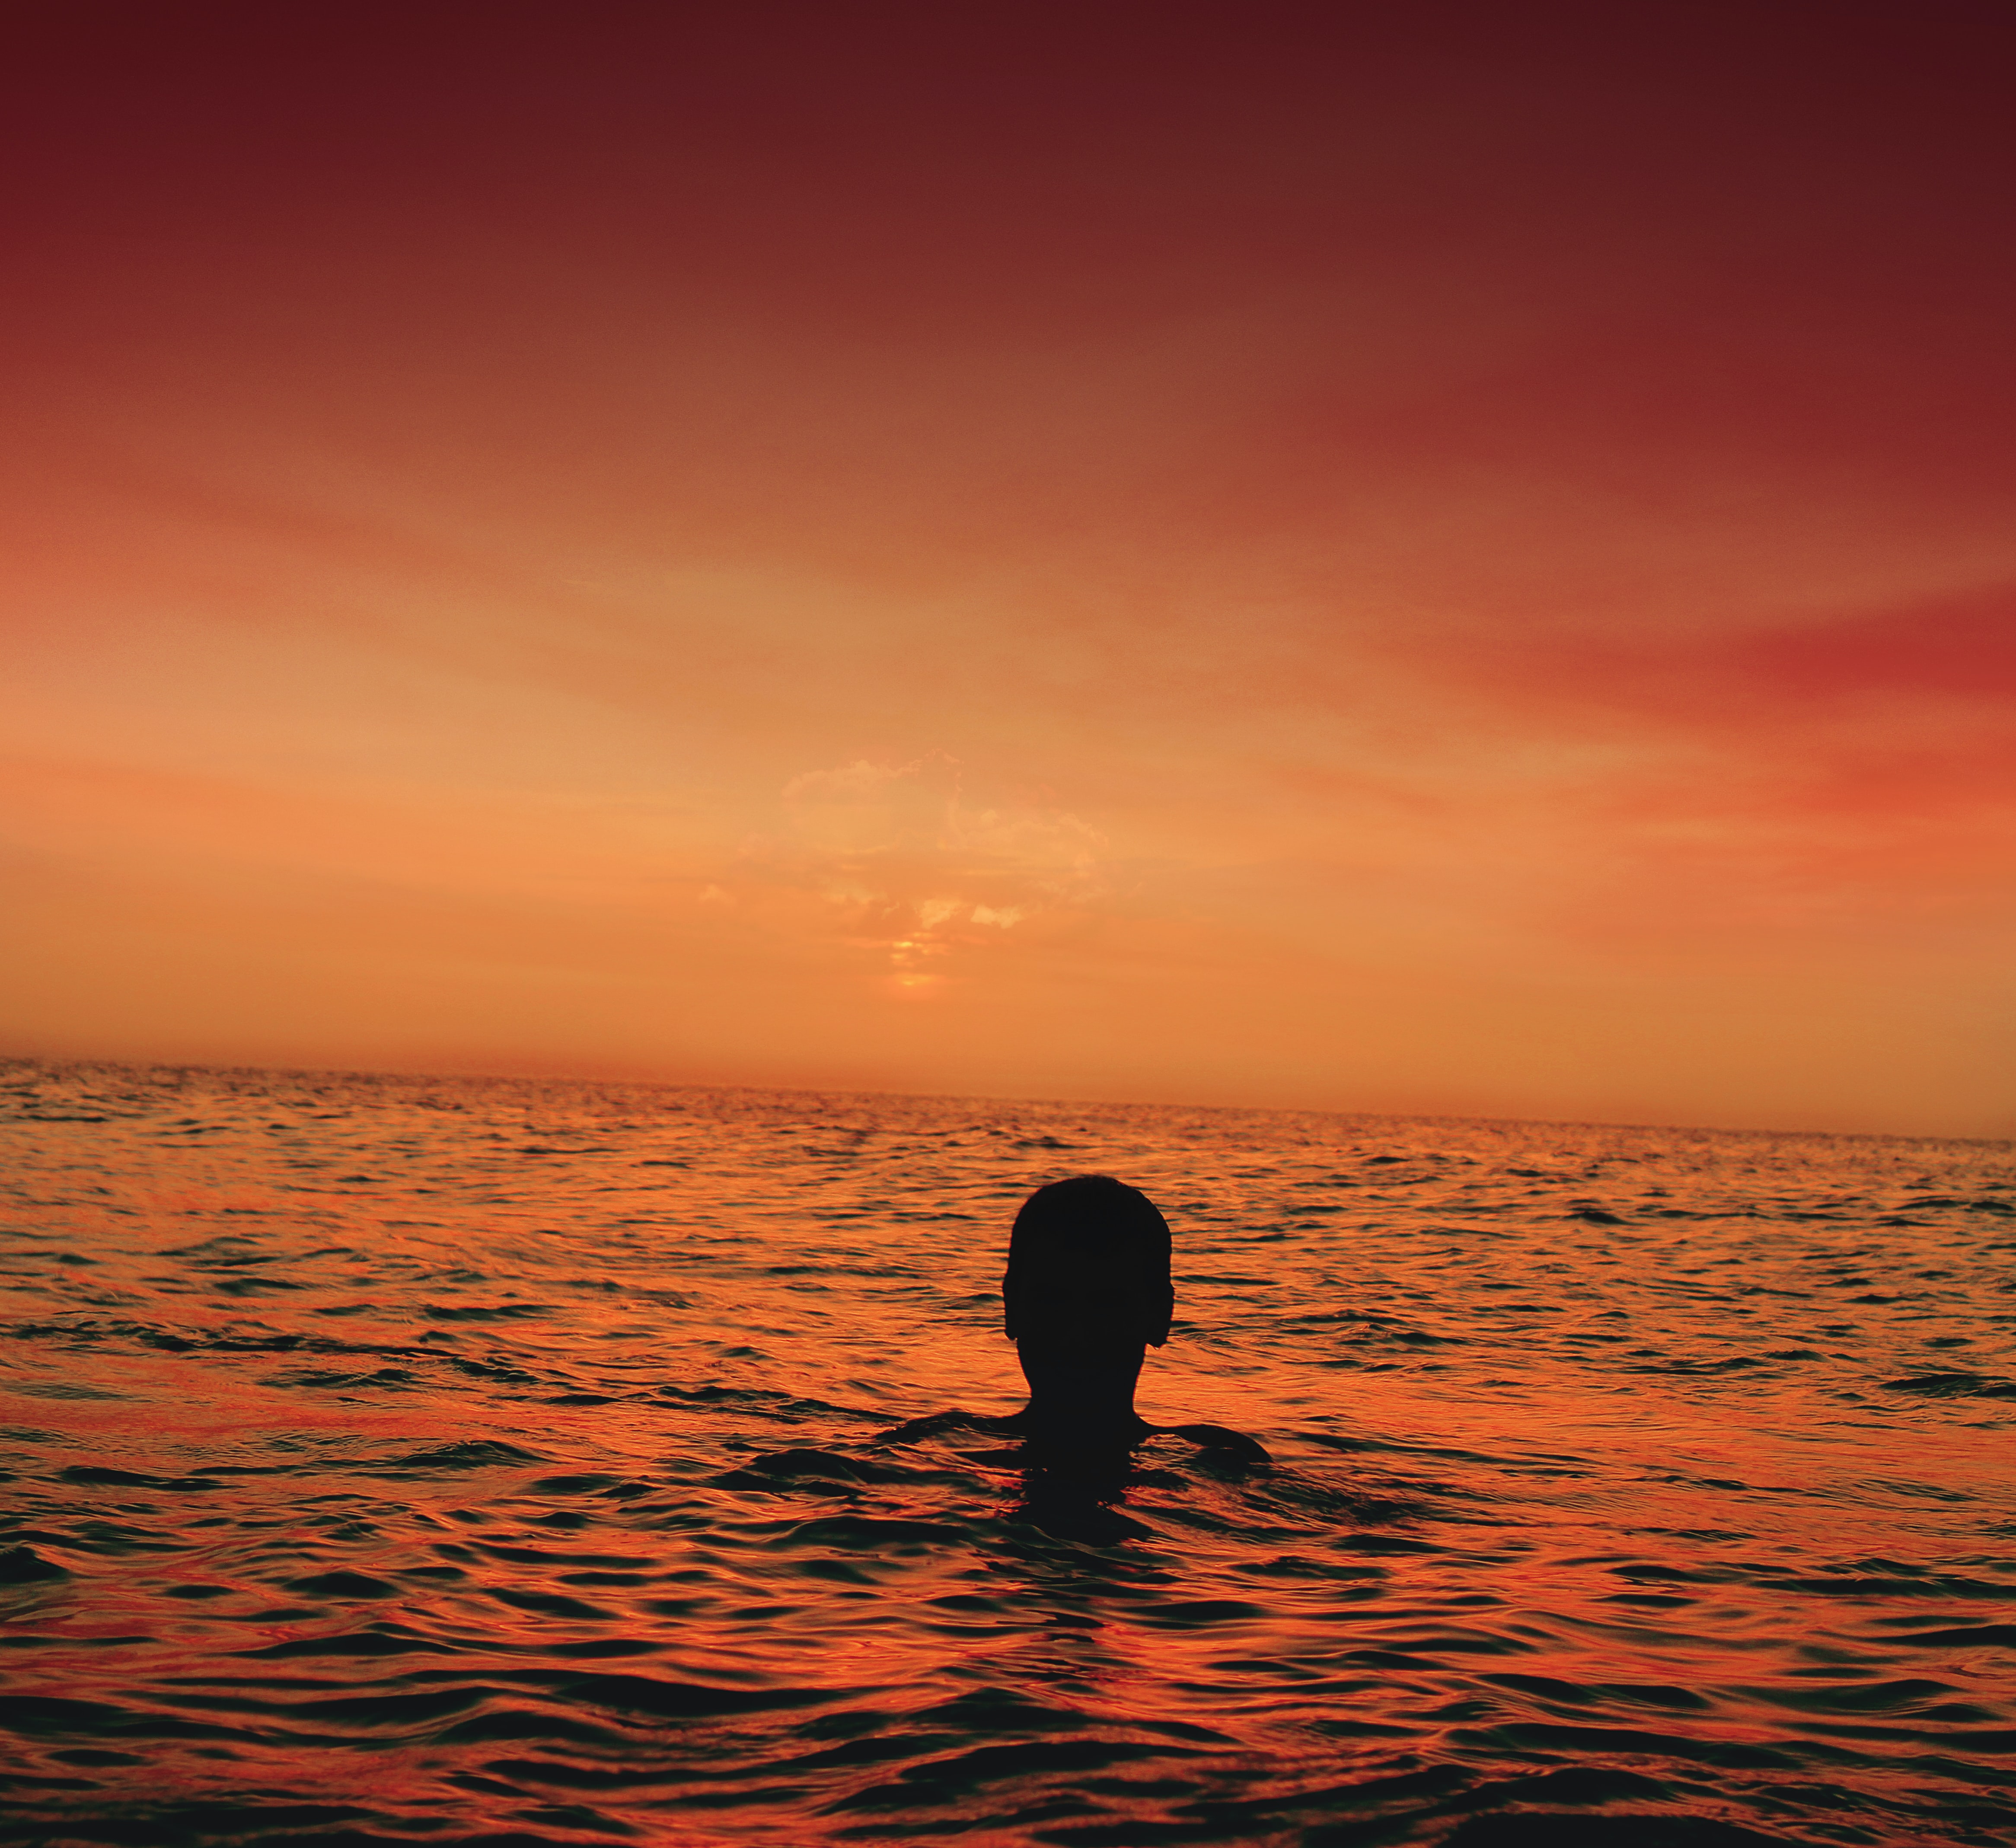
(1089, 1234)
(1089, 1213)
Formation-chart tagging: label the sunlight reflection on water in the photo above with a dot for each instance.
(402, 1458)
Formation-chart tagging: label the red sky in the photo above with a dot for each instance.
(1448, 558)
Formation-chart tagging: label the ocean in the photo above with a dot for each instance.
(393, 1459)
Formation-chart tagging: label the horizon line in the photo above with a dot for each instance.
(12, 1060)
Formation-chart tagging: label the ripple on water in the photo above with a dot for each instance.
(403, 1459)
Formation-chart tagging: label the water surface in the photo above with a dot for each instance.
(421, 1461)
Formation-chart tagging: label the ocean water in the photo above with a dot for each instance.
(395, 1460)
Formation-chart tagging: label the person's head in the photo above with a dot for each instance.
(1088, 1218)
(1086, 1293)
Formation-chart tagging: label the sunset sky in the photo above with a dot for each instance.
(1435, 557)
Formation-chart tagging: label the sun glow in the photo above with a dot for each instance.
(1385, 590)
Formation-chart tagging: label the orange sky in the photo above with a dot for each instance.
(1456, 557)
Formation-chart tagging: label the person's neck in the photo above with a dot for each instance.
(1080, 1400)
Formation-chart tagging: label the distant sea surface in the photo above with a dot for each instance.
(419, 1461)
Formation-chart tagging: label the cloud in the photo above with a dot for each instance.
(900, 864)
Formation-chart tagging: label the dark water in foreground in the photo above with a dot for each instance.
(430, 1461)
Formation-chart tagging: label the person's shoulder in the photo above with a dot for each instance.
(1220, 1437)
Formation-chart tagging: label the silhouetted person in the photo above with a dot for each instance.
(1087, 1293)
